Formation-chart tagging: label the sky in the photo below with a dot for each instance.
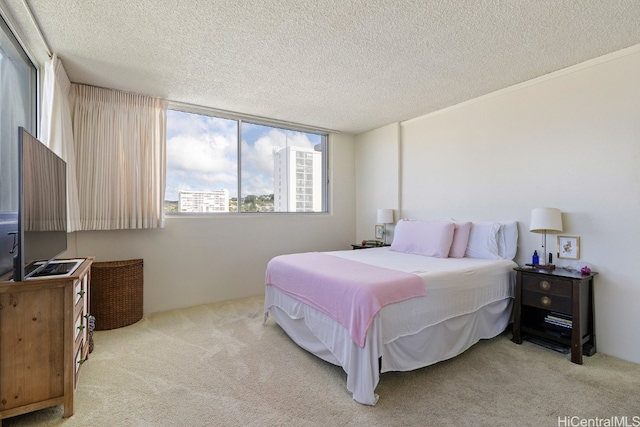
(202, 154)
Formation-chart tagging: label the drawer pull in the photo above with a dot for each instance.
(81, 361)
(81, 293)
(545, 285)
(80, 327)
(546, 301)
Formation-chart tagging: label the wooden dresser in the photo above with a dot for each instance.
(43, 341)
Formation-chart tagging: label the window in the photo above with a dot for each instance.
(18, 106)
(209, 171)
(18, 98)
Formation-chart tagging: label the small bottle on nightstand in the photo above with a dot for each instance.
(535, 260)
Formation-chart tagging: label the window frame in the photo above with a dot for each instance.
(9, 207)
(34, 78)
(240, 119)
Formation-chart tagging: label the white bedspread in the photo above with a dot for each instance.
(454, 286)
(474, 294)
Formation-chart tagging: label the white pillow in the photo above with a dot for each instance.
(483, 240)
(428, 238)
(508, 243)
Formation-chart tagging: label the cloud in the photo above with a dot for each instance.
(202, 154)
(211, 153)
(257, 155)
(191, 124)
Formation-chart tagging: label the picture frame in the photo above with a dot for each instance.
(568, 247)
(379, 231)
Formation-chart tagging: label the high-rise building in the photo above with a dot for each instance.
(297, 180)
(203, 201)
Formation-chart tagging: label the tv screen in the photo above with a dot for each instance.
(42, 216)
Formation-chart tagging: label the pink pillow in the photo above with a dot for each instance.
(428, 238)
(460, 239)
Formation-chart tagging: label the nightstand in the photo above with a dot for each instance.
(367, 246)
(555, 306)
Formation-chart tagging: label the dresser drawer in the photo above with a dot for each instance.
(78, 291)
(546, 285)
(79, 328)
(547, 301)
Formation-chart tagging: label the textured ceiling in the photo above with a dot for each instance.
(347, 65)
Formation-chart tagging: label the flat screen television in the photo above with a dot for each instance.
(42, 207)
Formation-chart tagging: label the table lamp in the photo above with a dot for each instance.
(385, 216)
(545, 220)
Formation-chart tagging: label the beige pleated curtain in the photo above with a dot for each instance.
(56, 130)
(120, 158)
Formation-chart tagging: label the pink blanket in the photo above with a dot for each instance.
(350, 292)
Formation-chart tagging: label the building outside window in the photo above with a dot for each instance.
(300, 169)
(260, 168)
(203, 201)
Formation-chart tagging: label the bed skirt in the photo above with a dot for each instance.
(319, 334)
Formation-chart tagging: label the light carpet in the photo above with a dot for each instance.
(218, 365)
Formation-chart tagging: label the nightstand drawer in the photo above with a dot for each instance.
(547, 301)
(547, 285)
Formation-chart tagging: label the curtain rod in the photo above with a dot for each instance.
(37, 27)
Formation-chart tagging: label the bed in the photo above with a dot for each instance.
(463, 299)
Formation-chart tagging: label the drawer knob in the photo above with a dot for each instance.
(80, 327)
(545, 285)
(546, 301)
(81, 293)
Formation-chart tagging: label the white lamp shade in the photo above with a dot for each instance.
(385, 216)
(546, 220)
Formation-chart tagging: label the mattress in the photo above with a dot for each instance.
(466, 299)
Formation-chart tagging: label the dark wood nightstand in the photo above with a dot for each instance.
(367, 246)
(555, 306)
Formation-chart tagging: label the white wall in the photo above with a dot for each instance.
(377, 180)
(206, 259)
(569, 140)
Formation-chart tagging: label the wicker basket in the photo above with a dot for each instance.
(116, 293)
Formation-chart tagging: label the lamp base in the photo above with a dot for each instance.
(542, 267)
